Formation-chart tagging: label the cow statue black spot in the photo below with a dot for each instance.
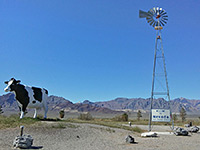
(28, 97)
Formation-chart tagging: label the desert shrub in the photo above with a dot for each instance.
(40, 116)
(139, 115)
(123, 117)
(174, 117)
(59, 126)
(85, 116)
(62, 113)
(137, 129)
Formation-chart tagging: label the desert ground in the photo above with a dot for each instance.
(75, 136)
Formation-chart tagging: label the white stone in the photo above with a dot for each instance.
(149, 134)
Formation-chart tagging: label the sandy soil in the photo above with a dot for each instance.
(95, 137)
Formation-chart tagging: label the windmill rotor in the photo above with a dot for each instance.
(156, 17)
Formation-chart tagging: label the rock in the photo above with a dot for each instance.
(24, 141)
(180, 131)
(188, 125)
(194, 129)
(149, 134)
(130, 139)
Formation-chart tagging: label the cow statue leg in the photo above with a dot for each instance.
(45, 111)
(22, 114)
(35, 114)
(23, 109)
(45, 106)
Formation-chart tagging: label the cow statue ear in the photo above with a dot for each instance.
(18, 81)
(6, 82)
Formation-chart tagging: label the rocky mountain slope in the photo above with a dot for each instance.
(191, 106)
(55, 103)
(119, 104)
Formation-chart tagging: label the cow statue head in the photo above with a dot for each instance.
(11, 84)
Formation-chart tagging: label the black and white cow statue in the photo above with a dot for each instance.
(28, 97)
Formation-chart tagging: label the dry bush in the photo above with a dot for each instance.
(85, 116)
(123, 117)
(62, 113)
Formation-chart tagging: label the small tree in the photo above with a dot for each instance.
(139, 115)
(125, 117)
(183, 114)
(174, 117)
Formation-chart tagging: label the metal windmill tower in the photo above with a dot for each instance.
(157, 17)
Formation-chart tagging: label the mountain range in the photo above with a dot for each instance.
(55, 103)
(135, 104)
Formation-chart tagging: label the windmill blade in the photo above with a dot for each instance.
(152, 11)
(157, 10)
(162, 23)
(163, 14)
(143, 14)
(160, 11)
(154, 24)
(163, 11)
(151, 22)
(148, 18)
(164, 19)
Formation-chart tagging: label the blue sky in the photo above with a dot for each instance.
(98, 49)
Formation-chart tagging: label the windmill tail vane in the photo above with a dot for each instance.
(156, 17)
(143, 14)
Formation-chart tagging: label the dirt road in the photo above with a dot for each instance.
(70, 136)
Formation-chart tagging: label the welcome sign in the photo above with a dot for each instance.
(161, 115)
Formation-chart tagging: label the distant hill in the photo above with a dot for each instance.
(56, 103)
(7, 102)
(191, 106)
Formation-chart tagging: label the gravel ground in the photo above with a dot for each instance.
(94, 137)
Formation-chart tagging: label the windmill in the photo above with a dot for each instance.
(157, 18)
